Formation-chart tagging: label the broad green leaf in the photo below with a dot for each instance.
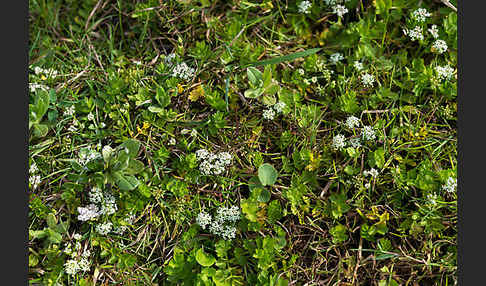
(51, 220)
(162, 97)
(40, 130)
(155, 109)
(134, 167)
(253, 92)
(133, 147)
(203, 258)
(379, 155)
(382, 6)
(267, 174)
(254, 76)
(126, 182)
(264, 196)
(54, 236)
(41, 104)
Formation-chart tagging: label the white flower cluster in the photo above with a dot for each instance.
(340, 10)
(368, 133)
(414, 34)
(268, 114)
(434, 31)
(212, 164)
(34, 178)
(432, 198)
(367, 80)
(183, 71)
(304, 7)
(335, 58)
(104, 228)
(86, 155)
(439, 46)
(277, 108)
(352, 121)
(80, 264)
(101, 204)
(450, 186)
(46, 72)
(358, 65)
(35, 86)
(372, 172)
(69, 111)
(420, 15)
(445, 72)
(338, 141)
(223, 224)
(335, 2)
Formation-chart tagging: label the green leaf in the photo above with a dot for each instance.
(155, 109)
(40, 130)
(134, 167)
(285, 58)
(126, 182)
(264, 196)
(379, 155)
(254, 76)
(41, 104)
(133, 146)
(54, 236)
(203, 258)
(107, 153)
(162, 97)
(51, 220)
(267, 174)
(382, 6)
(253, 92)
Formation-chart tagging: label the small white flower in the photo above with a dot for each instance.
(88, 213)
(279, 106)
(355, 142)
(71, 267)
(352, 121)
(434, 31)
(368, 133)
(91, 117)
(420, 15)
(301, 71)
(367, 185)
(34, 86)
(169, 58)
(445, 72)
(172, 141)
(202, 154)
(340, 10)
(69, 111)
(33, 168)
(439, 46)
(185, 131)
(372, 172)
(451, 185)
(231, 214)
(183, 71)
(77, 236)
(35, 181)
(367, 80)
(95, 195)
(194, 133)
(414, 34)
(102, 125)
(432, 198)
(335, 58)
(104, 228)
(108, 205)
(84, 264)
(358, 65)
(72, 128)
(268, 114)
(339, 141)
(304, 7)
(203, 219)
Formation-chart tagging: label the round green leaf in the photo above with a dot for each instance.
(267, 174)
(205, 259)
